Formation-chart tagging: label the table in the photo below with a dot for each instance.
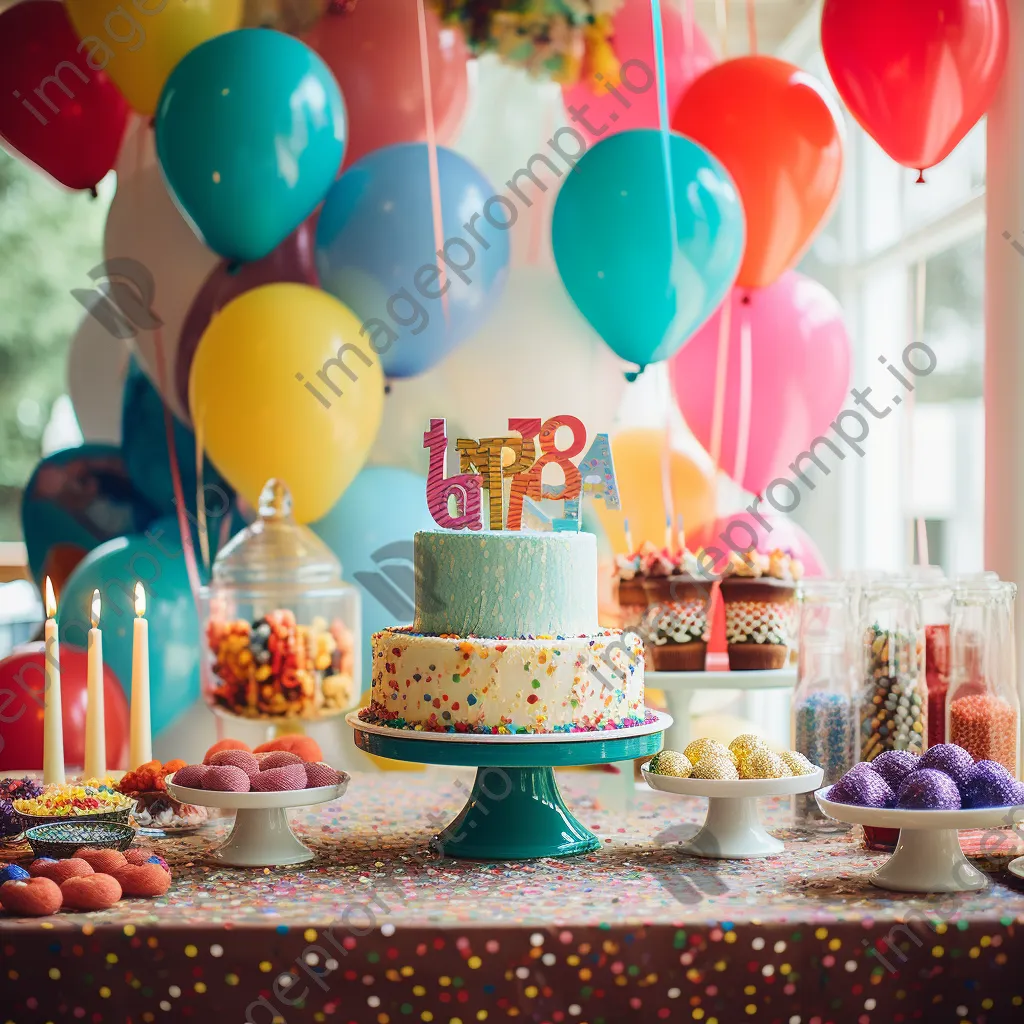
(679, 688)
(378, 930)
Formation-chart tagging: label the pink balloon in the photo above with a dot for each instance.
(800, 373)
(292, 262)
(634, 40)
(737, 531)
(374, 52)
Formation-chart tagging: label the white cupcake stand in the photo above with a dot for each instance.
(928, 857)
(732, 829)
(679, 688)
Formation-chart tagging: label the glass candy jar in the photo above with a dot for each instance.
(824, 719)
(281, 628)
(893, 697)
(982, 708)
(935, 597)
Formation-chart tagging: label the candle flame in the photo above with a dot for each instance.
(95, 609)
(140, 599)
(50, 600)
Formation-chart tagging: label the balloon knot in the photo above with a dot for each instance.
(746, 299)
(94, 193)
(631, 375)
(920, 178)
(233, 268)
(387, 387)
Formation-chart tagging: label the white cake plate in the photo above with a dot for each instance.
(261, 836)
(732, 829)
(928, 857)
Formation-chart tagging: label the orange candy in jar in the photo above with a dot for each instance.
(982, 709)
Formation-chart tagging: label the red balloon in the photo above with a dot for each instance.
(916, 74)
(56, 109)
(373, 49)
(292, 262)
(778, 134)
(22, 687)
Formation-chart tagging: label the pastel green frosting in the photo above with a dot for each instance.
(506, 583)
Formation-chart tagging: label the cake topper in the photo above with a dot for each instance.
(484, 465)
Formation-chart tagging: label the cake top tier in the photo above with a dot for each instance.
(506, 583)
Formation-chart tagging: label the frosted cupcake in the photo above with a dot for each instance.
(759, 593)
(675, 626)
(631, 572)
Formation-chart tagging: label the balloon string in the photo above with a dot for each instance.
(752, 26)
(722, 24)
(204, 533)
(435, 176)
(746, 396)
(666, 139)
(179, 491)
(666, 468)
(920, 293)
(540, 207)
(721, 378)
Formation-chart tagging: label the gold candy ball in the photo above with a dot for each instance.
(715, 767)
(743, 746)
(671, 762)
(764, 764)
(705, 747)
(797, 763)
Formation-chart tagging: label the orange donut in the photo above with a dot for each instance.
(59, 870)
(143, 880)
(102, 860)
(31, 897)
(228, 744)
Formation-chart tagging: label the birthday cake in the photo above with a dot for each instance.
(506, 640)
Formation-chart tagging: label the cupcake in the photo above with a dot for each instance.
(759, 593)
(675, 625)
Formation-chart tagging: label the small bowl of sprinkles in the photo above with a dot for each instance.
(90, 800)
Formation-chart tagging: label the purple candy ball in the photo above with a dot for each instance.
(895, 765)
(928, 789)
(956, 762)
(991, 785)
(862, 787)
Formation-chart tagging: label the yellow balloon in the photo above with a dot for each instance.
(138, 43)
(282, 385)
(638, 471)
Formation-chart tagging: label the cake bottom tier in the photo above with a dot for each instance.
(499, 685)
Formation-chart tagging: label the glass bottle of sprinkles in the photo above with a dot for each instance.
(893, 697)
(824, 722)
(935, 594)
(982, 707)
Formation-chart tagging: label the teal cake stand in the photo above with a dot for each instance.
(515, 811)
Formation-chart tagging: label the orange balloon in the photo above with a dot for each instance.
(779, 135)
(638, 456)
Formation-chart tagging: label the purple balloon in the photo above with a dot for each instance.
(292, 262)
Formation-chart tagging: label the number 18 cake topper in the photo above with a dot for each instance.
(483, 466)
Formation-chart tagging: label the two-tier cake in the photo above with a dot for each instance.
(506, 640)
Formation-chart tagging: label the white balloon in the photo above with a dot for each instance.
(145, 227)
(97, 368)
(536, 356)
(511, 116)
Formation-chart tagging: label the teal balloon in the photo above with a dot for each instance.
(250, 133)
(175, 644)
(371, 530)
(644, 288)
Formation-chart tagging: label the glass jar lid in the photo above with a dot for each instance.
(275, 548)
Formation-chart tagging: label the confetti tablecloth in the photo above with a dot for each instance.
(379, 930)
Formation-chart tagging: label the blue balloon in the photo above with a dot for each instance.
(376, 252)
(175, 643)
(371, 529)
(148, 460)
(643, 290)
(250, 132)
